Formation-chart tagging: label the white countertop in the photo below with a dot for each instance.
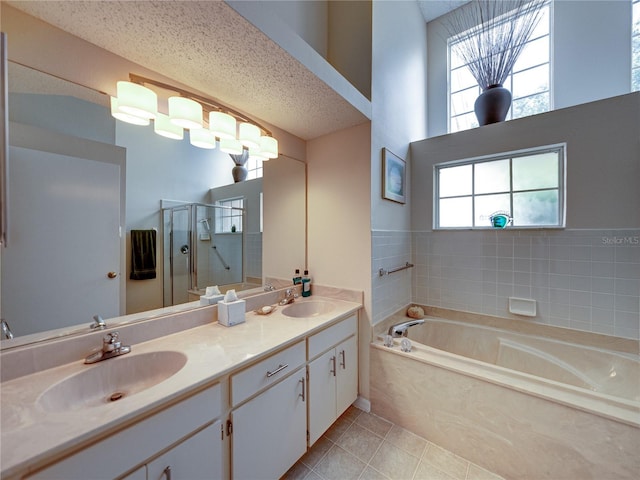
(31, 437)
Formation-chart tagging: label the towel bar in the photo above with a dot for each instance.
(382, 272)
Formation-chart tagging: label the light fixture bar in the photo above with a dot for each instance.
(208, 104)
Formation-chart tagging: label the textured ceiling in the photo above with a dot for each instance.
(211, 48)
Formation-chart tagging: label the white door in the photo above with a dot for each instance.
(269, 432)
(198, 457)
(322, 394)
(347, 377)
(65, 239)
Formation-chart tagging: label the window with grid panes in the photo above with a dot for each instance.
(526, 186)
(529, 82)
(229, 218)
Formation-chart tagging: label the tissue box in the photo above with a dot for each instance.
(210, 300)
(231, 313)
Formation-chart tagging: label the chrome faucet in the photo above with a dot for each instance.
(269, 287)
(290, 294)
(6, 331)
(400, 329)
(111, 347)
(98, 322)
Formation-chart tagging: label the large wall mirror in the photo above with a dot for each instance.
(80, 181)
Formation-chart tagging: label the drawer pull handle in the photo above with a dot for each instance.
(167, 472)
(303, 389)
(333, 366)
(277, 370)
(343, 364)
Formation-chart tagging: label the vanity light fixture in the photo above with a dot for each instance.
(222, 125)
(137, 100)
(206, 119)
(249, 135)
(125, 117)
(163, 126)
(231, 146)
(185, 113)
(202, 138)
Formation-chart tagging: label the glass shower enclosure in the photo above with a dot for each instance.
(197, 255)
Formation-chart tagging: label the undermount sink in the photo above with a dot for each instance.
(311, 308)
(111, 380)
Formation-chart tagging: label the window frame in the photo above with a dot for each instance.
(229, 212)
(508, 82)
(561, 148)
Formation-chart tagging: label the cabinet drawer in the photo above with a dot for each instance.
(266, 372)
(132, 446)
(330, 337)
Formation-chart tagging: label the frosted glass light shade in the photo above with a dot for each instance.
(137, 100)
(185, 112)
(125, 117)
(222, 125)
(202, 138)
(249, 135)
(256, 154)
(231, 145)
(269, 147)
(163, 126)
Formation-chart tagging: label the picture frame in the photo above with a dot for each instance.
(394, 184)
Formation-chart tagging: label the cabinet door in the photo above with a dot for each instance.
(269, 431)
(322, 394)
(199, 456)
(347, 374)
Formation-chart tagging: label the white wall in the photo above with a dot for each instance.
(591, 56)
(339, 221)
(160, 168)
(585, 277)
(398, 117)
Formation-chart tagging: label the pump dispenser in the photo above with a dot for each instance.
(306, 284)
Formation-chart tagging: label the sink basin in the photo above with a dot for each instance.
(111, 380)
(311, 308)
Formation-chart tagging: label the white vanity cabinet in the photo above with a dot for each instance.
(333, 375)
(269, 430)
(135, 449)
(199, 456)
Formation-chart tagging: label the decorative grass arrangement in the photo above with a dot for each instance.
(491, 34)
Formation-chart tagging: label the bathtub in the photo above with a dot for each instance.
(522, 406)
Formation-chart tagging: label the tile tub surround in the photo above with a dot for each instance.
(587, 280)
(508, 424)
(31, 437)
(366, 447)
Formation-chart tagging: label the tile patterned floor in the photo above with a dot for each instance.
(362, 446)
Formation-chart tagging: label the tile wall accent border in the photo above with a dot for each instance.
(586, 280)
(390, 249)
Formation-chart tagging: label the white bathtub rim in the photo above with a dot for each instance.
(630, 356)
(597, 403)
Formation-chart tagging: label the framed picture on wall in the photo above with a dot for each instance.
(394, 184)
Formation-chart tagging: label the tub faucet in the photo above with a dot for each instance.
(6, 331)
(111, 347)
(400, 329)
(98, 322)
(290, 294)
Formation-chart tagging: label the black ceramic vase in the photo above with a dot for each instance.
(492, 105)
(239, 173)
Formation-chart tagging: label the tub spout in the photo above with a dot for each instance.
(400, 329)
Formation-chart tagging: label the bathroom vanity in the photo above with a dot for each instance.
(207, 402)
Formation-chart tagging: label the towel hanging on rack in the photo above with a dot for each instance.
(143, 254)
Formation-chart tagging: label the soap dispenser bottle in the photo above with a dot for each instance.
(306, 284)
(297, 279)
